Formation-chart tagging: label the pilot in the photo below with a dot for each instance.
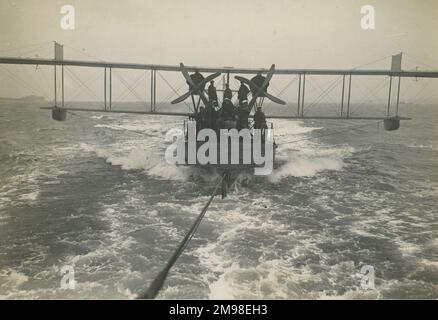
(259, 119)
(242, 94)
(258, 80)
(197, 78)
(212, 94)
(228, 94)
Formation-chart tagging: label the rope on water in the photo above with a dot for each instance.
(158, 282)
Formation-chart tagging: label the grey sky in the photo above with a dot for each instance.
(244, 33)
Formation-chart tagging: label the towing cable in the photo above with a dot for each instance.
(159, 280)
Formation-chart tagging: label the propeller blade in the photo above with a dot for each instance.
(255, 96)
(274, 99)
(265, 83)
(209, 78)
(195, 87)
(251, 85)
(186, 75)
(182, 98)
(269, 76)
(245, 81)
(204, 98)
(253, 101)
(260, 90)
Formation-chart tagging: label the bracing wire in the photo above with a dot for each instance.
(130, 88)
(171, 87)
(323, 94)
(77, 91)
(373, 91)
(84, 84)
(23, 83)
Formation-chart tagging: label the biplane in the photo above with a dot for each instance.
(258, 90)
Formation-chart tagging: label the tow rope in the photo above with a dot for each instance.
(158, 282)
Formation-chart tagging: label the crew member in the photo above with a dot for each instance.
(259, 119)
(201, 119)
(227, 115)
(210, 117)
(243, 114)
(242, 94)
(212, 94)
(228, 94)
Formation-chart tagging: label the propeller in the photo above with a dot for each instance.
(260, 90)
(195, 87)
(182, 98)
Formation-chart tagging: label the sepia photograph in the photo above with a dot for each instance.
(218, 155)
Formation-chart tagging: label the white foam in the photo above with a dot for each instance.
(123, 127)
(10, 282)
(147, 153)
(304, 157)
(149, 160)
(305, 167)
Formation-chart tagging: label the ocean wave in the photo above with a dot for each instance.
(310, 160)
